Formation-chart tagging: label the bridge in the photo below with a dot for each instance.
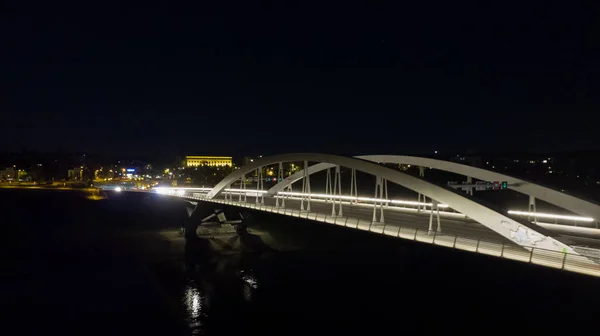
(440, 215)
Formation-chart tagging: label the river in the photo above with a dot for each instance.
(87, 266)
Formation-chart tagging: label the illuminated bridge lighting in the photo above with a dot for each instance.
(247, 191)
(361, 199)
(182, 188)
(546, 215)
(180, 192)
(253, 192)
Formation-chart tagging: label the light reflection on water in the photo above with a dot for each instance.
(195, 301)
(250, 284)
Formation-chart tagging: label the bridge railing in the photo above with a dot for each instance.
(584, 264)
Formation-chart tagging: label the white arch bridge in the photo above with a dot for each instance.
(439, 216)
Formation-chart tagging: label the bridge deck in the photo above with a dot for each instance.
(396, 218)
(457, 232)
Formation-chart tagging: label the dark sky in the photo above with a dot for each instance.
(244, 79)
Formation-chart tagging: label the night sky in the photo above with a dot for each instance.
(247, 80)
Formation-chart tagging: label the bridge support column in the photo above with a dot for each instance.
(421, 207)
(305, 188)
(434, 206)
(259, 187)
(421, 174)
(353, 189)
(228, 194)
(385, 192)
(328, 188)
(279, 179)
(378, 201)
(532, 209)
(337, 191)
(288, 189)
(242, 188)
(470, 181)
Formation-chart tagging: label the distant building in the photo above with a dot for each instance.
(12, 174)
(213, 161)
(8, 174)
(75, 174)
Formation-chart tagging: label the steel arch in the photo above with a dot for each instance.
(560, 199)
(525, 234)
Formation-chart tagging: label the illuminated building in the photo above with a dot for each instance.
(75, 174)
(10, 174)
(213, 161)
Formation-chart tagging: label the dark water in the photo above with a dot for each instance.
(86, 267)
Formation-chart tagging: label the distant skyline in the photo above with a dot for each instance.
(165, 80)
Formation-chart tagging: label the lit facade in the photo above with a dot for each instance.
(213, 161)
(75, 174)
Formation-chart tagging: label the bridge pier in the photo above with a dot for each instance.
(305, 188)
(421, 174)
(421, 207)
(379, 190)
(337, 191)
(470, 182)
(279, 179)
(259, 187)
(531, 209)
(434, 207)
(288, 189)
(228, 194)
(242, 188)
(328, 188)
(353, 186)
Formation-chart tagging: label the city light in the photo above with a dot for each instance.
(118, 189)
(546, 215)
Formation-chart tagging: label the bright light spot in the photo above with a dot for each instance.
(545, 161)
(193, 302)
(435, 152)
(118, 189)
(160, 190)
(546, 215)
